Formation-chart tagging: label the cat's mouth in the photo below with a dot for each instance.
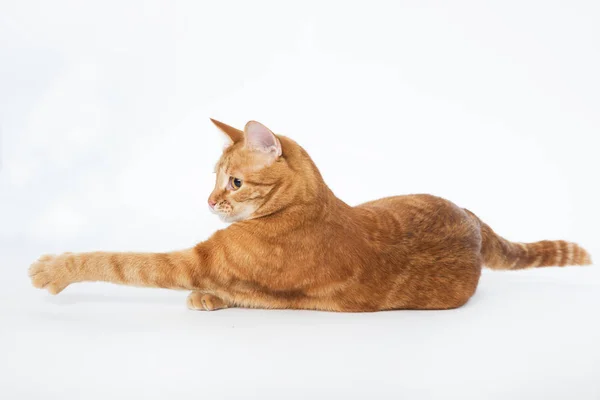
(219, 212)
(223, 210)
(226, 213)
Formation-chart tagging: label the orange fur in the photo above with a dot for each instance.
(294, 244)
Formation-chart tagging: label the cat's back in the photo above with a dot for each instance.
(414, 213)
(409, 204)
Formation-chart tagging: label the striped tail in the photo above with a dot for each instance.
(499, 253)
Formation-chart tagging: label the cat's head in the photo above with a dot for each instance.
(255, 175)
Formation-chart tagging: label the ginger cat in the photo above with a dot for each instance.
(293, 244)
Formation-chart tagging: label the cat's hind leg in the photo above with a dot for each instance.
(205, 302)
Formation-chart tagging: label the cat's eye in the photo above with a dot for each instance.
(235, 183)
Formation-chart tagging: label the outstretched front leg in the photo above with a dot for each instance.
(175, 270)
(200, 269)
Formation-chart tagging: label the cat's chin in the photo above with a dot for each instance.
(230, 219)
(226, 218)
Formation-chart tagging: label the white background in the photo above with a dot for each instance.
(106, 144)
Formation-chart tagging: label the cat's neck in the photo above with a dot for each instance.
(299, 215)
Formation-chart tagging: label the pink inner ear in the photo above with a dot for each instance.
(259, 137)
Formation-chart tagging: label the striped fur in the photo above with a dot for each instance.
(499, 253)
(294, 244)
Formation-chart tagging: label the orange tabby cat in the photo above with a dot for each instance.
(293, 244)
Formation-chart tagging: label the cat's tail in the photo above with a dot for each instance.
(499, 253)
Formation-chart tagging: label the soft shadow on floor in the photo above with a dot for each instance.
(77, 298)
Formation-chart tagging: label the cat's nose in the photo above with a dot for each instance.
(211, 203)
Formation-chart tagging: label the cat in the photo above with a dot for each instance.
(293, 244)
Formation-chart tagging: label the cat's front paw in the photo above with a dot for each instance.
(52, 272)
(205, 302)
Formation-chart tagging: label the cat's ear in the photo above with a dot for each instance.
(260, 138)
(233, 135)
